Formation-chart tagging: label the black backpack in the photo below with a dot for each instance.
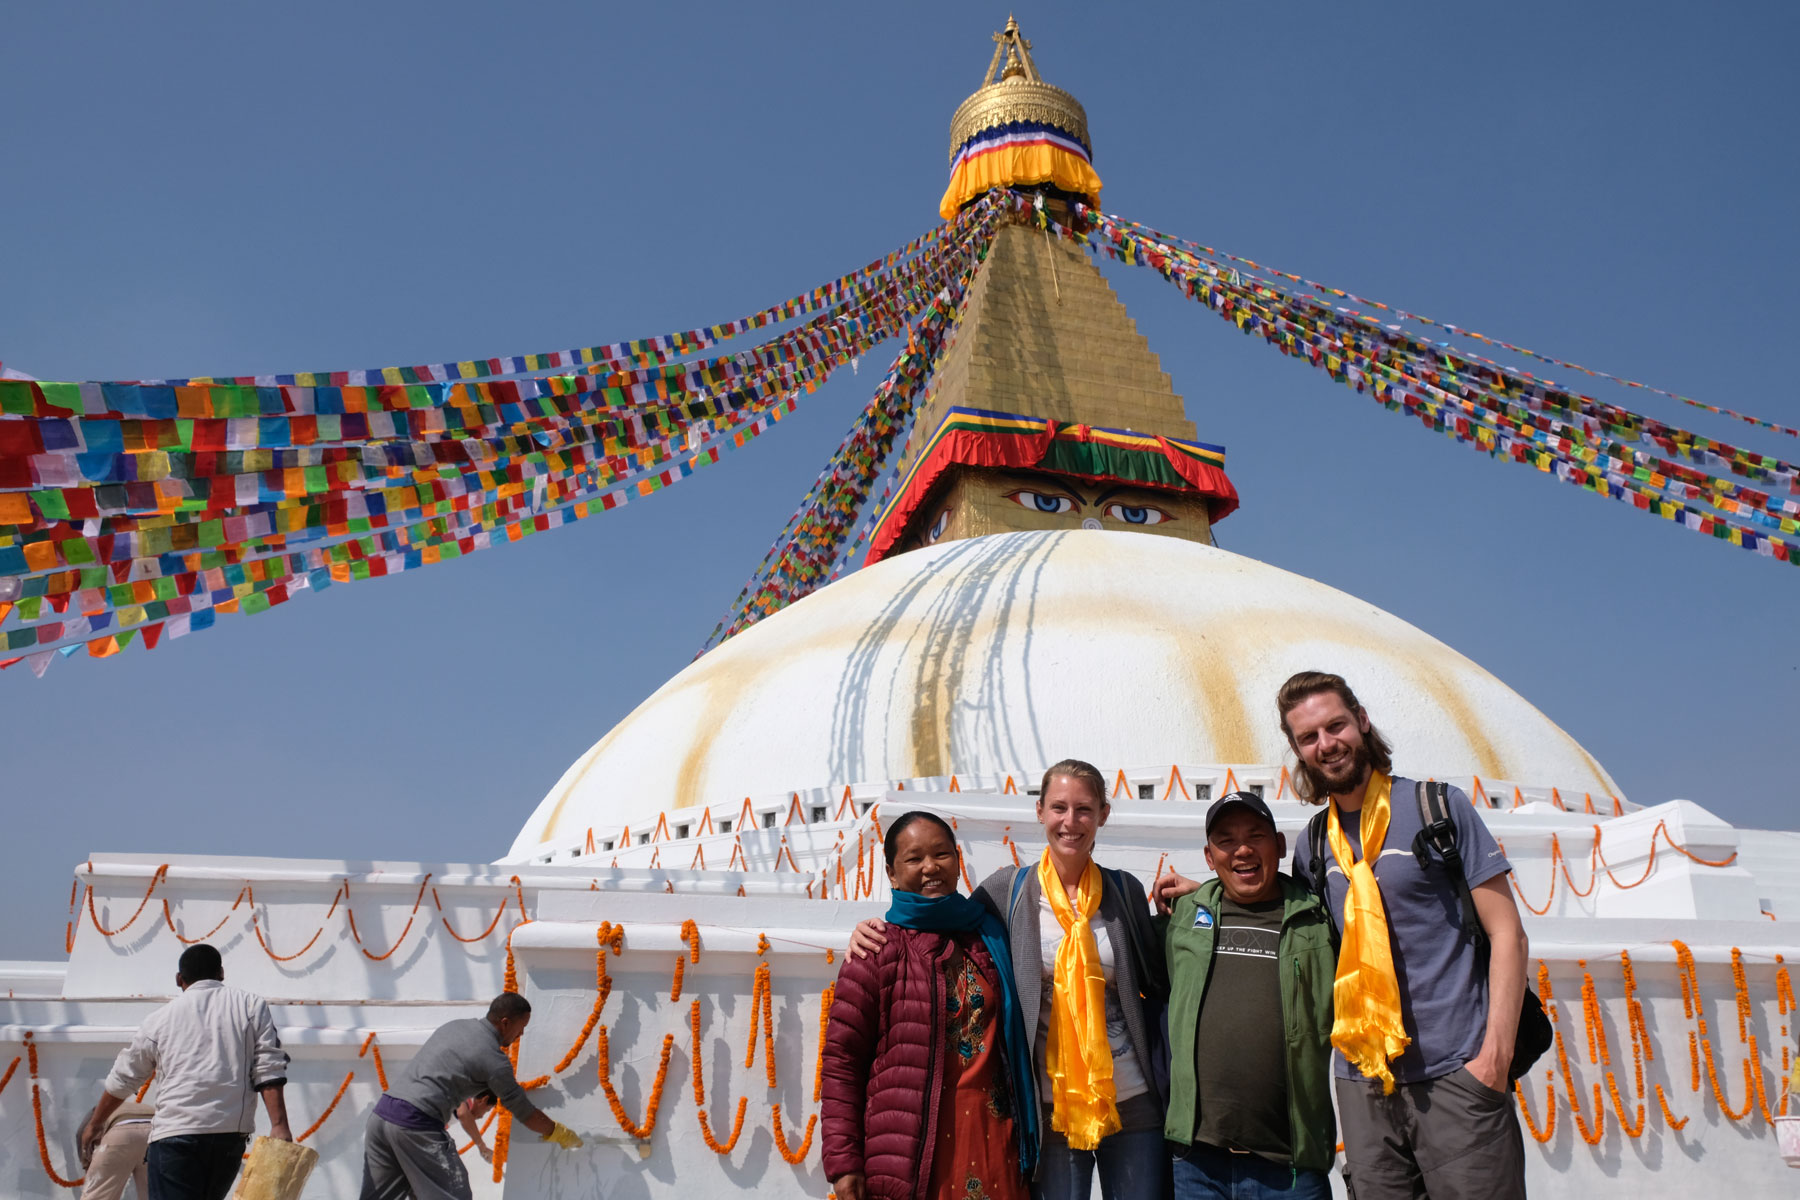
(1438, 833)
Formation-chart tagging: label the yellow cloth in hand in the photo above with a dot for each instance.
(1369, 1029)
(563, 1136)
(1077, 1055)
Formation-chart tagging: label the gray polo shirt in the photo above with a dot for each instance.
(456, 1062)
(1443, 981)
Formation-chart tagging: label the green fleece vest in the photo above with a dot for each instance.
(1308, 967)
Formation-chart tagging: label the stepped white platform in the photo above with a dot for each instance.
(389, 962)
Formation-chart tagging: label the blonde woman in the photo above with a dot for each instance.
(1085, 933)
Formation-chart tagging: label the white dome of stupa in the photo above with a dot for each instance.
(1006, 653)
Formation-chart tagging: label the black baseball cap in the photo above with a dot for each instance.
(1249, 800)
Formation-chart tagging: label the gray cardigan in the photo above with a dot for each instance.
(1134, 977)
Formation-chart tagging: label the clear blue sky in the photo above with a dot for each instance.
(210, 188)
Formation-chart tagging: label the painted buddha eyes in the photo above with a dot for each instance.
(937, 527)
(1137, 514)
(1057, 502)
(1044, 502)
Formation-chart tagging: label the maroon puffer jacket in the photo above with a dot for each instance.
(884, 1061)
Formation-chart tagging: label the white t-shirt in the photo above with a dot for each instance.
(1128, 1077)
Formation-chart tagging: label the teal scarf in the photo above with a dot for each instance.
(959, 914)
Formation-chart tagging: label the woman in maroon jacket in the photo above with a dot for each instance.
(926, 1051)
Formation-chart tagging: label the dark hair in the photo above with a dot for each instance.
(200, 962)
(1075, 768)
(508, 1004)
(486, 1095)
(890, 844)
(1304, 685)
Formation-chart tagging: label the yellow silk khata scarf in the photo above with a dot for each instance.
(1368, 1029)
(1078, 1056)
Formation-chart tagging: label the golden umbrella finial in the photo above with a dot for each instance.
(1017, 131)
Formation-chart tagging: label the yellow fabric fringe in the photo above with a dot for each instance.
(1018, 166)
(1078, 1056)
(1369, 1029)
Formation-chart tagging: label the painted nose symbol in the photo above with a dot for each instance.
(1091, 523)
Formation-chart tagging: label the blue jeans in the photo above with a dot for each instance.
(1209, 1173)
(195, 1166)
(1132, 1162)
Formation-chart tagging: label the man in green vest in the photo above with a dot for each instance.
(1251, 966)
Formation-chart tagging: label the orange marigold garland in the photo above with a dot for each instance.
(256, 926)
(155, 879)
(74, 899)
(169, 919)
(503, 1132)
(1706, 1052)
(825, 999)
(1689, 976)
(1632, 1126)
(368, 1047)
(1753, 1070)
(1590, 1136)
(37, 1117)
(1590, 1018)
(399, 941)
(640, 1132)
(483, 935)
(1784, 1004)
(1662, 1101)
(1549, 1130)
(759, 992)
(690, 933)
(609, 936)
(13, 1066)
(737, 1125)
(329, 1108)
(797, 1154)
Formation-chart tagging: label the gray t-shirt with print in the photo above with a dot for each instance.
(1443, 981)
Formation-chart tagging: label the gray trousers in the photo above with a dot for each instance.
(418, 1163)
(1448, 1138)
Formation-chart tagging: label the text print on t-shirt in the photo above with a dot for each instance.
(1249, 941)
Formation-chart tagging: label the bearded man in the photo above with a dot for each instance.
(1426, 1014)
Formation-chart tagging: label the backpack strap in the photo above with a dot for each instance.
(1437, 833)
(1018, 887)
(1315, 870)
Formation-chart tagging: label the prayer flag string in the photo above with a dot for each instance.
(138, 510)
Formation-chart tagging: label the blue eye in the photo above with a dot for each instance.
(1137, 514)
(937, 527)
(1044, 502)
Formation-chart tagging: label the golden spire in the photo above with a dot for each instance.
(1020, 94)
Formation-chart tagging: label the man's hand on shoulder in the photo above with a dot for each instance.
(1169, 887)
(869, 936)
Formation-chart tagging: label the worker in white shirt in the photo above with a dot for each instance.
(213, 1050)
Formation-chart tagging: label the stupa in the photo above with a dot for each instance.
(1042, 584)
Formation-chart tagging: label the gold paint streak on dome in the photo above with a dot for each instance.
(1019, 95)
